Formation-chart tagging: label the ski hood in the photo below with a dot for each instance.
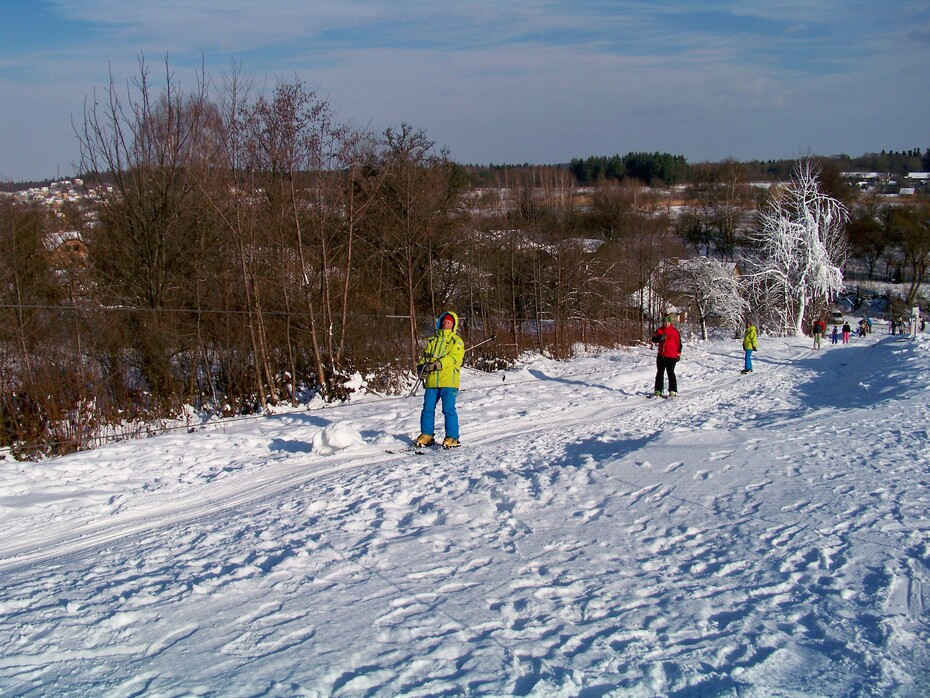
(455, 320)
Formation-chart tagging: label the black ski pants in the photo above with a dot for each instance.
(666, 365)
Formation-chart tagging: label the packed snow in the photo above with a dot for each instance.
(760, 535)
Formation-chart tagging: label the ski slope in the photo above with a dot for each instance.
(761, 535)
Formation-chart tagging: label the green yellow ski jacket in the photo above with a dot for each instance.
(749, 338)
(448, 348)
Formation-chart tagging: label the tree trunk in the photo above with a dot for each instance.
(308, 291)
(411, 308)
(252, 331)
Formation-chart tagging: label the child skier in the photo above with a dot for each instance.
(749, 345)
(440, 364)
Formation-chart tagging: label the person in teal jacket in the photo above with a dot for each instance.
(749, 345)
(440, 366)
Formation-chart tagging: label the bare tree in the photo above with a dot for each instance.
(144, 146)
(231, 191)
(911, 228)
(287, 135)
(612, 206)
(26, 284)
(721, 196)
(868, 238)
(418, 201)
(361, 188)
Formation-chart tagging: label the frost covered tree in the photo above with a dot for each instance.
(797, 250)
(715, 289)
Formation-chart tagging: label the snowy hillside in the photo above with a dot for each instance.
(762, 535)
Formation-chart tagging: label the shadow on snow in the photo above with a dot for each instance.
(854, 377)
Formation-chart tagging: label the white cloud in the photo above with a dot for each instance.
(233, 25)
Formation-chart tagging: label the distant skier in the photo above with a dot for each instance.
(440, 364)
(846, 332)
(749, 345)
(835, 335)
(669, 341)
(817, 330)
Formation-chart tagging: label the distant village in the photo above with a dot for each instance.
(58, 196)
(888, 184)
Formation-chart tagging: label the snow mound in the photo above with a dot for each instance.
(336, 437)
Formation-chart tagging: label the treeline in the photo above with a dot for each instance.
(249, 251)
(898, 163)
(663, 168)
(648, 168)
(653, 168)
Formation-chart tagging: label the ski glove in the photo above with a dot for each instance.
(434, 366)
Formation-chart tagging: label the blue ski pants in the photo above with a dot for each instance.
(748, 362)
(431, 397)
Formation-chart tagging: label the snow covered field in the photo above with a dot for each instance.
(763, 535)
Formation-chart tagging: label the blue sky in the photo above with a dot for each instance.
(518, 81)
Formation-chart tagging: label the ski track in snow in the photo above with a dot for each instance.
(759, 535)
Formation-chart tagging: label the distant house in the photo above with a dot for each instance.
(654, 303)
(865, 180)
(653, 306)
(917, 181)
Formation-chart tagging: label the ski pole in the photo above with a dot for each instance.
(418, 381)
(416, 385)
(485, 341)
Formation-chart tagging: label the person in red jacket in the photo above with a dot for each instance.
(669, 342)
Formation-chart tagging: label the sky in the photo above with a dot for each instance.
(537, 81)
(759, 535)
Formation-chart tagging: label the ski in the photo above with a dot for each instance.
(419, 450)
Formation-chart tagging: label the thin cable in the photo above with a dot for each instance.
(200, 311)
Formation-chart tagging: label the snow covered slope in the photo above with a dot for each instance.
(761, 535)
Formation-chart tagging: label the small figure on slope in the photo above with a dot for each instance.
(440, 364)
(749, 345)
(669, 342)
(846, 332)
(817, 331)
